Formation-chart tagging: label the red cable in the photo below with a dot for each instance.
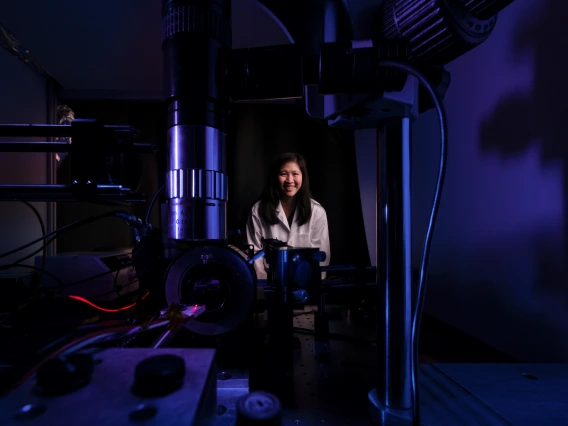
(88, 302)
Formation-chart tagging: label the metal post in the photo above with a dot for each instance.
(393, 392)
(51, 164)
(280, 378)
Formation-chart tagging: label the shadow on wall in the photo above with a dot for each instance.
(539, 117)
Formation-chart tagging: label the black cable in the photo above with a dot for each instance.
(20, 369)
(54, 234)
(39, 270)
(121, 296)
(17, 262)
(41, 224)
(115, 282)
(417, 318)
(42, 249)
(83, 280)
(100, 274)
(154, 199)
(68, 227)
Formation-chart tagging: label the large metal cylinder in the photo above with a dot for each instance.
(196, 183)
(196, 43)
(438, 31)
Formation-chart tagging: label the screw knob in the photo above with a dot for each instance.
(159, 375)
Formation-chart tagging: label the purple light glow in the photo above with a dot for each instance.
(498, 253)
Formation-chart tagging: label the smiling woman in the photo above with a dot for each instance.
(287, 212)
(290, 180)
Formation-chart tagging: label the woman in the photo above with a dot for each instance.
(287, 212)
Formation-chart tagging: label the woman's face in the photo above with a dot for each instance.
(290, 179)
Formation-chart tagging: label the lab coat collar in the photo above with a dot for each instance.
(282, 216)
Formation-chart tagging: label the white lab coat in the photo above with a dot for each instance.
(314, 233)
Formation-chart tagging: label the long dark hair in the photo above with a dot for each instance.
(271, 195)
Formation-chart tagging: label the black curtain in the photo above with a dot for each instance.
(257, 133)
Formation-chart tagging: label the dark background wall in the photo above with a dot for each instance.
(260, 132)
(22, 99)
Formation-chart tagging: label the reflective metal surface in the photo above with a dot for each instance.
(196, 39)
(231, 385)
(108, 398)
(394, 264)
(68, 147)
(196, 183)
(59, 193)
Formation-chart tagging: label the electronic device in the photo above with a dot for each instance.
(96, 276)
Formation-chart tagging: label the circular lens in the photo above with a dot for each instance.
(207, 284)
(218, 278)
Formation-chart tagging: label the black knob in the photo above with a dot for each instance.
(259, 409)
(320, 256)
(159, 375)
(64, 374)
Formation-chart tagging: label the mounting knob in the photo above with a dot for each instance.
(159, 375)
(64, 374)
(259, 409)
(320, 256)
